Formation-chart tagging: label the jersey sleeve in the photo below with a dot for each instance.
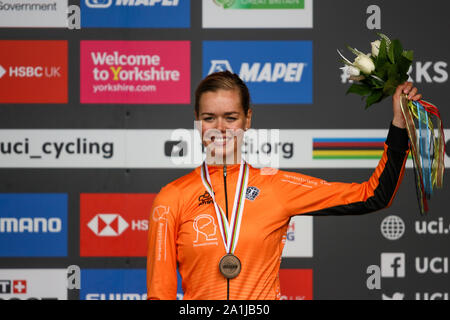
(161, 251)
(301, 194)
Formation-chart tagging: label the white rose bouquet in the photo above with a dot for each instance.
(376, 77)
(380, 72)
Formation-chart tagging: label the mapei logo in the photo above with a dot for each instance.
(135, 13)
(101, 4)
(108, 225)
(274, 71)
(263, 72)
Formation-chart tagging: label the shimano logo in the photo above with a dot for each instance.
(116, 296)
(30, 225)
(264, 72)
(103, 4)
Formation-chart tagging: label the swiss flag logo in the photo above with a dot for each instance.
(114, 224)
(19, 286)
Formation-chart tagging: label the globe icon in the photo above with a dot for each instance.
(392, 227)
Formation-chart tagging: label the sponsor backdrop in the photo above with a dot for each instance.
(96, 115)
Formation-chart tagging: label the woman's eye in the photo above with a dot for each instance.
(208, 119)
(231, 119)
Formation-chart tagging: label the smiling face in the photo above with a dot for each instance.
(223, 124)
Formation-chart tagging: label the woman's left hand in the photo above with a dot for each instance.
(411, 92)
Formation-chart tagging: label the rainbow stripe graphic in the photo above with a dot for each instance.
(348, 148)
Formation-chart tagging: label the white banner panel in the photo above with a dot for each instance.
(33, 13)
(33, 284)
(299, 238)
(181, 148)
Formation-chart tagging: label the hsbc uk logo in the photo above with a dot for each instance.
(31, 72)
(108, 225)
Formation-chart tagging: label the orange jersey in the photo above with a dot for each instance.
(184, 230)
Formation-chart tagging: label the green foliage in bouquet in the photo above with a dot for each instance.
(378, 74)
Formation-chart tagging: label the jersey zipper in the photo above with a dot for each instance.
(228, 219)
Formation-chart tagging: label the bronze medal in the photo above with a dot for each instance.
(230, 266)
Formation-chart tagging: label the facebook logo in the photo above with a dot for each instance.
(393, 265)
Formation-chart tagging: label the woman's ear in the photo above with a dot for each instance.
(248, 121)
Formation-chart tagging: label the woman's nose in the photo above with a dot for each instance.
(221, 125)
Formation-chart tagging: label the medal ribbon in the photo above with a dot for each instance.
(229, 231)
(427, 146)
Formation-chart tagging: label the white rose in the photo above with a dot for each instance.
(353, 71)
(375, 48)
(364, 63)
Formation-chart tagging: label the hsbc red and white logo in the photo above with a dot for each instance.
(114, 225)
(33, 71)
(108, 225)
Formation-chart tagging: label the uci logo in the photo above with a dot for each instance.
(98, 3)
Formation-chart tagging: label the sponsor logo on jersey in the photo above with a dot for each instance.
(275, 71)
(206, 230)
(205, 198)
(252, 193)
